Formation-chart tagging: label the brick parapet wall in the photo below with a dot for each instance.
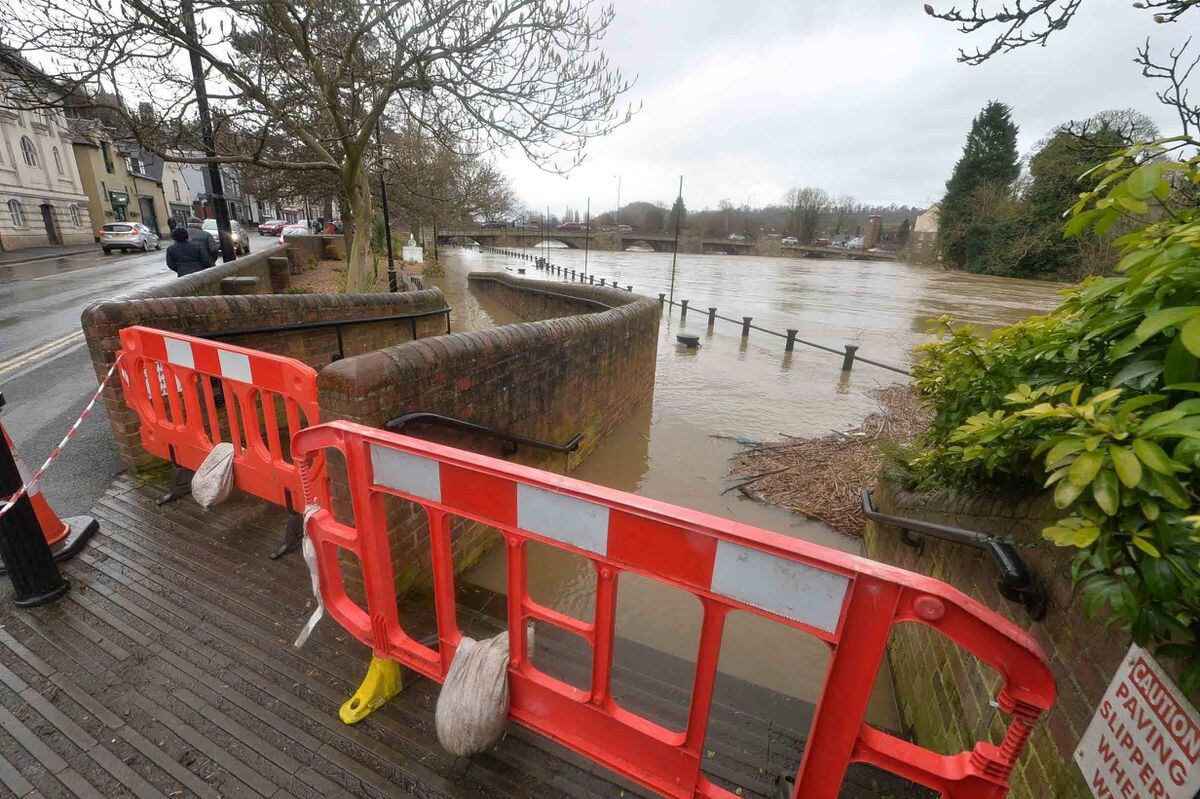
(548, 379)
(193, 305)
(945, 694)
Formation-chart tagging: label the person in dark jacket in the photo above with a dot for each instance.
(197, 233)
(186, 256)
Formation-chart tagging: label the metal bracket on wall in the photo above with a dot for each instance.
(510, 441)
(1015, 583)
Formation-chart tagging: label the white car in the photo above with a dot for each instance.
(298, 229)
(127, 236)
(789, 240)
(237, 235)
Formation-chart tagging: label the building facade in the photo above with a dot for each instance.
(117, 178)
(42, 201)
(923, 242)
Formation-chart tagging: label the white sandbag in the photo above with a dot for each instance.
(472, 708)
(213, 481)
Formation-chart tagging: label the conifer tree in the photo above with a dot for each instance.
(989, 159)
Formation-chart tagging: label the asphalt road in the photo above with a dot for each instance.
(45, 371)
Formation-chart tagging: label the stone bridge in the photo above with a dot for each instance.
(612, 240)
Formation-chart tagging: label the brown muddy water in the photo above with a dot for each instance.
(733, 390)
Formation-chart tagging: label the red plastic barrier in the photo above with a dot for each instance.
(849, 602)
(169, 379)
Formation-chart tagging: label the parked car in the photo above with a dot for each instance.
(570, 226)
(299, 229)
(241, 239)
(736, 237)
(271, 227)
(624, 228)
(822, 242)
(495, 224)
(789, 241)
(127, 236)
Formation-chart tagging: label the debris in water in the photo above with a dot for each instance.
(820, 477)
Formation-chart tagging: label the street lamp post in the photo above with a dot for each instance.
(387, 217)
(618, 215)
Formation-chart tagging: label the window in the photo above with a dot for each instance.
(16, 213)
(28, 152)
(107, 153)
(75, 216)
(175, 183)
(134, 165)
(57, 160)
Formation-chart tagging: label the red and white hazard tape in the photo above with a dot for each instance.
(5, 505)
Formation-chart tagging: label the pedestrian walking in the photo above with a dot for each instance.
(186, 256)
(197, 233)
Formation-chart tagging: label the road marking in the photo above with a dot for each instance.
(41, 351)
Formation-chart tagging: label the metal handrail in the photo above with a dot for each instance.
(511, 440)
(335, 323)
(1015, 582)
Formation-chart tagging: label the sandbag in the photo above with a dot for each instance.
(472, 708)
(213, 481)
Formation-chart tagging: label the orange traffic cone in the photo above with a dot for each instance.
(65, 536)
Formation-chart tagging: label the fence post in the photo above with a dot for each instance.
(682, 310)
(791, 339)
(629, 287)
(602, 281)
(662, 299)
(712, 316)
(746, 325)
(848, 360)
(592, 279)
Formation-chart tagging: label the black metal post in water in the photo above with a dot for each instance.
(662, 298)
(791, 339)
(682, 310)
(387, 217)
(848, 359)
(216, 191)
(712, 316)
(31, 567)
(746, 325)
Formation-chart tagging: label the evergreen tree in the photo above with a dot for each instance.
(680, 210)
(989, 159)
(903, 232)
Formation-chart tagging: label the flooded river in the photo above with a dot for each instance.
(733, 389)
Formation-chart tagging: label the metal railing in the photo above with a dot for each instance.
(510, 441)
(848, 353)
(1015, 582)
(337, 324)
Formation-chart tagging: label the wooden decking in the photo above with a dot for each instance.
(168, 671)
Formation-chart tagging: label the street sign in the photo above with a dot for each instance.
(1144, 741)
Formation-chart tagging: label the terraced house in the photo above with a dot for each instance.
(42, 201)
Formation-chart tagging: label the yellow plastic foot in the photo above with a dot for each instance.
(381, 684)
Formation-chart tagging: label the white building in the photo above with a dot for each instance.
(923, 242)
(41, 197)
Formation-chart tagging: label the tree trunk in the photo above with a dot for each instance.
(360, 266)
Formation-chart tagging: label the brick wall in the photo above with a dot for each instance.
(183, 306)
(549, 379)
(944, 693)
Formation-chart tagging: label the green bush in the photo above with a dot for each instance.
(1100, 401)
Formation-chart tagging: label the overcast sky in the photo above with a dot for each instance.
(856, 96)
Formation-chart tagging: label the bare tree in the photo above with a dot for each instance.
(1018, 23)
(1176, 71)
(842, 208)
(805, 206)
(321, 74)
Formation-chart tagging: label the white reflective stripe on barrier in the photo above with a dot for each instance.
(411, 474)
(235, 366)
(562, 518)
(793, 590)
(179, 352)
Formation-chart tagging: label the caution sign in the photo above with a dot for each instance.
(1144, 741)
